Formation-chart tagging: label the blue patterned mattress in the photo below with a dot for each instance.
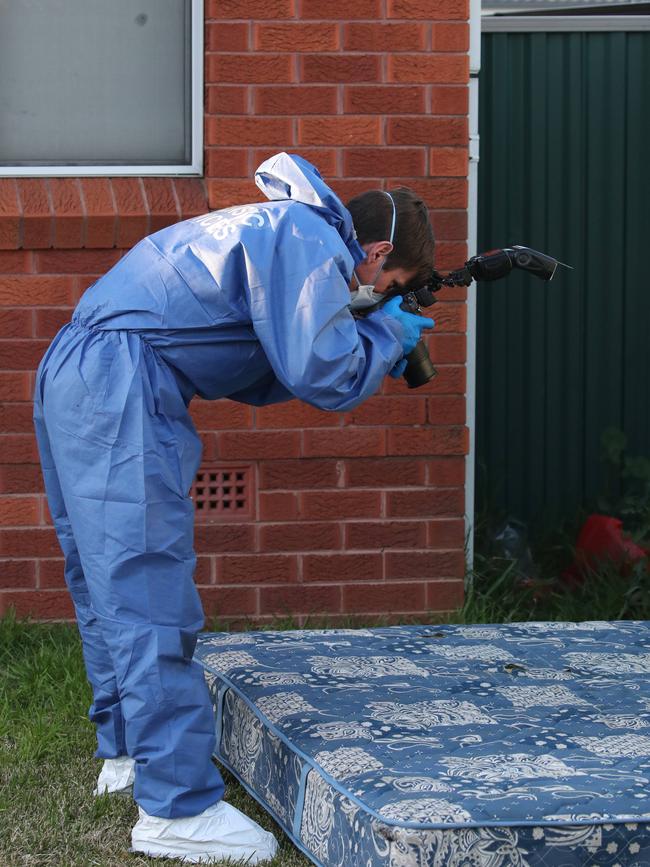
(446, 746)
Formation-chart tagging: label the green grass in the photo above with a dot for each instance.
(48, 816)
(499, 593)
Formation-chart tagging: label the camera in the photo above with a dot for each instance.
(485, 267)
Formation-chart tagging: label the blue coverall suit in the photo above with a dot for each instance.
(248, 303)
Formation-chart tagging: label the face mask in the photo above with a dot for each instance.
(365, 296)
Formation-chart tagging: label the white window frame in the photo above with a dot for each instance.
(196, 165)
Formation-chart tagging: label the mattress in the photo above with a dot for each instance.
(463, 746)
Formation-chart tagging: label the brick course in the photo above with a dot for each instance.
(354, 513)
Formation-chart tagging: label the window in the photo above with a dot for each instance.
(90, 87)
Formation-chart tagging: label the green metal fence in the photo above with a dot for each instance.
(565, 134)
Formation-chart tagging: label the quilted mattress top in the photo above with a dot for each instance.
(459, 726)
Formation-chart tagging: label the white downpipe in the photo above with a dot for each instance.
(472, 217)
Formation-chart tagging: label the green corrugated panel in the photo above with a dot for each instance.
(565, 126)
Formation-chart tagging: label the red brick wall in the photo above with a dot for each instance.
(355, 513)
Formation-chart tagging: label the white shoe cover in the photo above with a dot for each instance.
(116, 775)
(221, 831)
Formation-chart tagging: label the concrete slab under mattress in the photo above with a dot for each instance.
(405, 746)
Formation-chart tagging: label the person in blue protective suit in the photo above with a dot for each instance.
(249, 303)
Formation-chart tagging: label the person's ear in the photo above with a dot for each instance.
(377, 250)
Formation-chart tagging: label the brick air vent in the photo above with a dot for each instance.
(222, 492)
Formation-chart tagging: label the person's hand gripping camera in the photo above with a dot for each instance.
(413, 326)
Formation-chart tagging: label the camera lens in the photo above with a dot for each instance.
(419, 368)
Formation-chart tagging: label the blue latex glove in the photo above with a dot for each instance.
(399, 369)
(412, 324)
